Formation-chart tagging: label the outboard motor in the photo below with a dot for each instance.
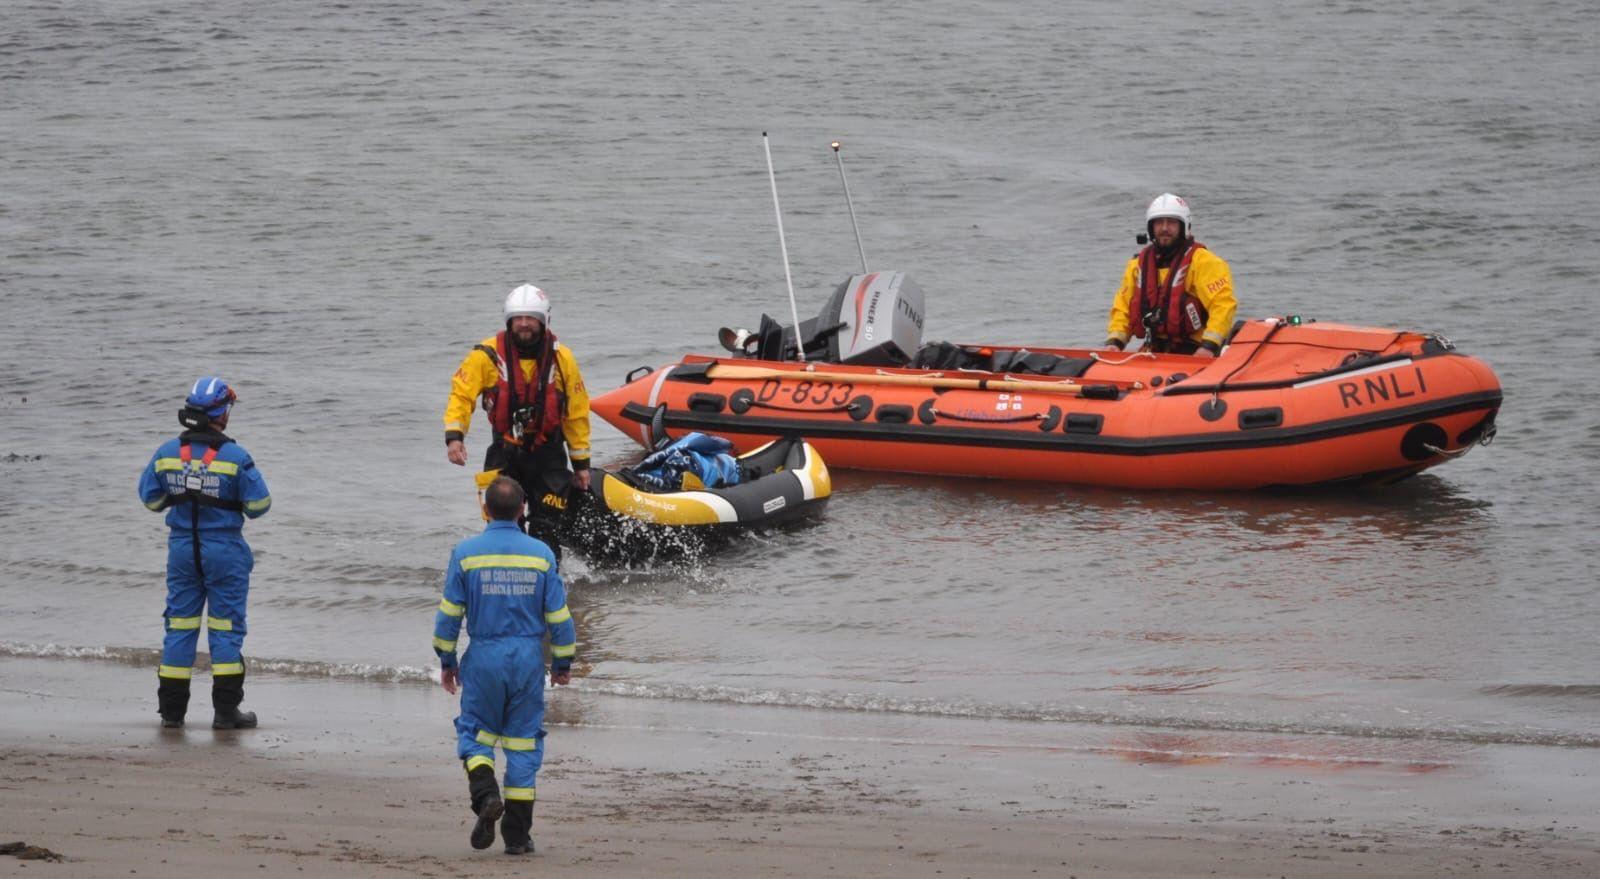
(873, 319)
(880, 318)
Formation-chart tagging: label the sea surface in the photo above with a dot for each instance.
(326, 203)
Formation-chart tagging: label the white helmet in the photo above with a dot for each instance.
(1168, 205)
(528, 300)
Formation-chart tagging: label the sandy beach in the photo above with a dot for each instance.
(345, 779)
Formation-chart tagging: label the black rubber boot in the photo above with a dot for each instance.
(486, 804)
(515, 826)
(227, 692)
(172, 700)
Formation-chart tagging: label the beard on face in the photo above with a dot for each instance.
(1168, 248)
(527, 340)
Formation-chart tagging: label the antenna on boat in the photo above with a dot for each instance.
(794, 312)
(852, 205)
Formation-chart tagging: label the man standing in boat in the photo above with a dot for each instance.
(537, 406)
(1175, 293)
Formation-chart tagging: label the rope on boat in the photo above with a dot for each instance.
(842, 407)
(1486, 439)
(1096, 355)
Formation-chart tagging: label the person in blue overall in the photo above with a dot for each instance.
(504, 584)
(208, 485)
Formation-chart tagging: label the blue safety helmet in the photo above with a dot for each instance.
(211, 395)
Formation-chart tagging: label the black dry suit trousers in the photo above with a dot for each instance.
(542, 472)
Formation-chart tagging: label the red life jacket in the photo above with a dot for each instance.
(1175, 314)
(541, 399)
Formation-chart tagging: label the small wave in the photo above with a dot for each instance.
(1582, 691)
(1049, 714)
(411, 603)
(151, 657)
(121, 655)
(854, 702)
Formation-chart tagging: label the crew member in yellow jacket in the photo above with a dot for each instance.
(531, 390)
(1175, 293)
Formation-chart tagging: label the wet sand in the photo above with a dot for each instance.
(360, 779)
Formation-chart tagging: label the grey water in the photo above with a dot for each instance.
(326, 203)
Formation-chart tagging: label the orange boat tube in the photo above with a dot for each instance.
(1286, 404)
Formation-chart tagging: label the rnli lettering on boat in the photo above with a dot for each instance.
(1372, 390)
(910, 312)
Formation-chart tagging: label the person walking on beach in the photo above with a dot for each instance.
(505, 585)
(1174, 291)
(208, 485)
(534, 396)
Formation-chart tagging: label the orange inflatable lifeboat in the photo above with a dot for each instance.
(1287, 403)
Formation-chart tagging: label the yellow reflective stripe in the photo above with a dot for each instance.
(525, 794)
(175, 672)
(563, 650)
(442, 644)
(218, 624)
(510, 743)
(473, 562)
(450, 608)
(182, 623)
(219, 669)
(262, 504)
(156, 504)
(558, 616)
(224, 468)
(475, 762)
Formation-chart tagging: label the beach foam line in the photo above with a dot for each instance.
(851, 702)
(146, 656)
(862, 702)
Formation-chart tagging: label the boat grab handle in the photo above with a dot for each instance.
(927, 412)
(842, 407)
(743, 400)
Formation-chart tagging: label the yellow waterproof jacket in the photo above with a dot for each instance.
(1209, 281)
(478, 373)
